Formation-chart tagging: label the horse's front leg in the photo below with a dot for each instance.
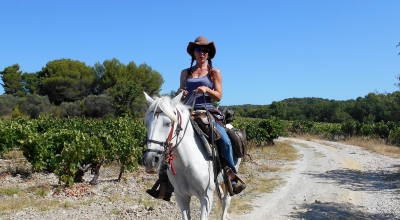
(184, 204)
(206, 204)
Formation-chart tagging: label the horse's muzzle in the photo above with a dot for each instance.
(152, 162)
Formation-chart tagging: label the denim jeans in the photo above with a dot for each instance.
(225, 146)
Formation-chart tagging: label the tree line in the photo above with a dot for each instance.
(371, 108)
(67, 87)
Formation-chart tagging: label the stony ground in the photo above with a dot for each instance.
(329, 181)
(333, 181)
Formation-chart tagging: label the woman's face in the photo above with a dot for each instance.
(201, 54)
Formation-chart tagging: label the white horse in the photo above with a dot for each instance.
(170, 134)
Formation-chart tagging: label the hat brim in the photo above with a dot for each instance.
(192, 45)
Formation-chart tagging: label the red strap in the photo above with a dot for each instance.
(171, 158)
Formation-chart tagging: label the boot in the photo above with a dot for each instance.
(156, 194)
(238, 188)
(162, 192)
(234, 188)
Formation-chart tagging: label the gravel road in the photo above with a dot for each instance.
(329, 181)
(333, 181)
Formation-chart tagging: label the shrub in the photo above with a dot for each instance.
(350, 127)
(34, 105)
(98, 106)
(71, 109)
(8, 104)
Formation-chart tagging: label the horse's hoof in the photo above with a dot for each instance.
(238, 188)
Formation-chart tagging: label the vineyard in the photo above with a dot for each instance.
(68, 147)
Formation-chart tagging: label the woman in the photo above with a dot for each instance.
(203, 78)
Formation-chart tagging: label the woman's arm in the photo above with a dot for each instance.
(182, 84)
(215, 94)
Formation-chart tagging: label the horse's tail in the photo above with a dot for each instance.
(222, 190)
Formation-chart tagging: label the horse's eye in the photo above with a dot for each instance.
(167, 124)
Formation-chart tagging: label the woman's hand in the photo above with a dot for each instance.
(201, 89)
(185, 92)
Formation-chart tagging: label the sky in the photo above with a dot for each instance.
(266, 50)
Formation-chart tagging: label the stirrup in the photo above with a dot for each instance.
(232, 176)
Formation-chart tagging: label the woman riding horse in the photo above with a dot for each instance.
(200, 84)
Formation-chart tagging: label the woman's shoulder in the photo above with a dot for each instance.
(185, 71)
(216, 70)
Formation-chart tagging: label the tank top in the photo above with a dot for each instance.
(192, 84)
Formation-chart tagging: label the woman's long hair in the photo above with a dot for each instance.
(209, 67)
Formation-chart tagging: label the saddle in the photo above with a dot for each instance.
(201, 124)
(200, 117)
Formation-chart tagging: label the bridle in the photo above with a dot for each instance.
(167, 144)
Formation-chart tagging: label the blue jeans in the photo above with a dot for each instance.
(225, 146)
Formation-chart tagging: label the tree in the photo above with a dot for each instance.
(109, 73)
(12, 80)
(66, 80)
(31, 82)
(127, 98)
(149, 79)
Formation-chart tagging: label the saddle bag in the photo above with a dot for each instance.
(238, 140)
(218, 116)
(200, 117)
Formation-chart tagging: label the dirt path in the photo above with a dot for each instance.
(333, 181)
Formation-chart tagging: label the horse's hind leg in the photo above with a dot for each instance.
(226, 201)
(184, 205)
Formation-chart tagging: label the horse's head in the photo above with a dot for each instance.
(162, 118)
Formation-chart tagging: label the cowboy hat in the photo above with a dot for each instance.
(202, 41)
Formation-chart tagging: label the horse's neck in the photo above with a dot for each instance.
(190, 149)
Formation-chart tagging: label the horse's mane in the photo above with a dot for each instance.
(166, 105)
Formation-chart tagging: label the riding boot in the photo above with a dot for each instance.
(161, 193)
(163, 185)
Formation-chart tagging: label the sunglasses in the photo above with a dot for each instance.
(201, 50)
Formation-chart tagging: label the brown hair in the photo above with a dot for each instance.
(209, 67)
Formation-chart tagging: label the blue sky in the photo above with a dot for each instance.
(266, 50)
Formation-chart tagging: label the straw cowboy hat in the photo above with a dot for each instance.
(202, 41)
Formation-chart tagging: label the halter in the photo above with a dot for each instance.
(168, 146)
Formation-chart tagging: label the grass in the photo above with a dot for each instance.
(375, 145)
(41, 191)
(10, 191)
(13, 205)
(14, 154)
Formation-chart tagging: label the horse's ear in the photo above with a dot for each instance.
(178, 97)
(149, 100)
